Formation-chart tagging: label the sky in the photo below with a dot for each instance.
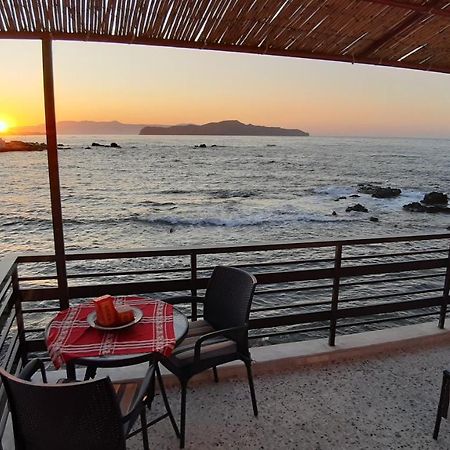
(156, 85)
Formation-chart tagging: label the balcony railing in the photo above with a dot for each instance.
(305, 289)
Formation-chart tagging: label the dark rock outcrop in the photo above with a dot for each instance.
(112, 145)
(374, 219)
(358, 208)
(19, 146)
(378, 191)
(435, 198)
(419, 207)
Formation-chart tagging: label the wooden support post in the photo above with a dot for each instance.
(53, 172)
(445, 295)
(194, 287)
(335, 295)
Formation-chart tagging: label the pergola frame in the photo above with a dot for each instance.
(412, 34)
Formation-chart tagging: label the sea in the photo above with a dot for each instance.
(176, 191)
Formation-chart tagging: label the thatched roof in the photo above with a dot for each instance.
(401, 33)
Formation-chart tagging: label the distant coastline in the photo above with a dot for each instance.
(224, 128)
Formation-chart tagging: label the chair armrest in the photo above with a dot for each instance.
(31, 368)
(184, 299)
(229, 333)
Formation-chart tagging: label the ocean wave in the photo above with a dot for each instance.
(231, 222)
(223, 193)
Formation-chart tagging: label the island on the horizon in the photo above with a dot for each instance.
(223, 128)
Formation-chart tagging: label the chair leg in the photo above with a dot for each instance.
(443, 403)
(90, 373)
(144, 429)
(166, 402)
(446, 399)
(183, 413)
(216, 376)
(248, 364)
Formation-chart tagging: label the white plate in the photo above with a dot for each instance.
(91, 320)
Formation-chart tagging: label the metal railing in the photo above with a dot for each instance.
(303, 287)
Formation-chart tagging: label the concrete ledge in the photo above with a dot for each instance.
(296, 355)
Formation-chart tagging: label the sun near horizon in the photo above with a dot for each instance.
(4, 127)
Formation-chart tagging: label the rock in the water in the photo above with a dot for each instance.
(378, 191)
(19, 146)
(340, 198)
(202, 146)
(112, 145)
(358, 208)
(374, 219)
(435, 198)
(419, 207)
(354, 196)
(334, 213)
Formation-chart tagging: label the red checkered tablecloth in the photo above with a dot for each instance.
(71, 337)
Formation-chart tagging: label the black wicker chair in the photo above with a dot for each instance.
(88, 415)
(222, 335)
(443, 402)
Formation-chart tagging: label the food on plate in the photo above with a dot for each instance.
(124, 315)
(106, 312)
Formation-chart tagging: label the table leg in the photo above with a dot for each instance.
(70, 369)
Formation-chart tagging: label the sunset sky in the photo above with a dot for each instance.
(137, 84)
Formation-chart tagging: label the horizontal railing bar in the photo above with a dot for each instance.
(39, 294)
(350, 271)
(396, 294)
(294, 289)
(388, 319)
(290, 319)
(203, 250)
(294, 305)
(388, 307)
(345, 300)
(323, 260)
(208, 268)
(106, 274)
(282, 333)
(343, 285)
(34, 330)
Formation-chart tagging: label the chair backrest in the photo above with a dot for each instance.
(71, 416)
(229, 297)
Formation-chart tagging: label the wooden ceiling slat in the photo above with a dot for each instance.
(398, 33)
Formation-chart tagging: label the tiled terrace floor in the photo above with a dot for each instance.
(386, 402)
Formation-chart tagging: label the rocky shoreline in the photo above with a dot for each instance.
(432, 202)
(19, 146)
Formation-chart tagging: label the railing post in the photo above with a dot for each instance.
(335, 294)
(19, 315)
(194, 285)
(445, 294)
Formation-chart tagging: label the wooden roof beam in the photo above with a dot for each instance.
(411, 20)
(431, 8)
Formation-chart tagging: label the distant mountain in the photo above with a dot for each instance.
(83, 127)
(224, 128)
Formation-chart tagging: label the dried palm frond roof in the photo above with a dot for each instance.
(401, 33)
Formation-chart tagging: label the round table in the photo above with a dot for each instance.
(180, 323)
